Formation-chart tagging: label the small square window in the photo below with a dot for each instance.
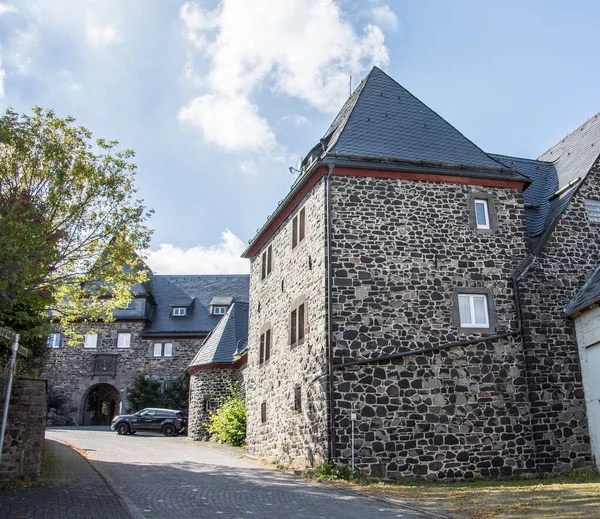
(593, 210)
(90, 340)
(473, 311)
(482, 216)
(54, 340)
(219, 310)
(179, 311)
(123, 340)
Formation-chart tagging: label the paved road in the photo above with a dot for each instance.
(175, 478)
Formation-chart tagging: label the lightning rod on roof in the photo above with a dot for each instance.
(350, 85)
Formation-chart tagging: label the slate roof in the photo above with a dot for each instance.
(564, 166)
(199, 288)
(588, 295)
(383, 121)
(220, 346)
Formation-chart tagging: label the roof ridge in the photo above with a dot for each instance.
(520, 158)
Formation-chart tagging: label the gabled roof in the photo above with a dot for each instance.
(557, 174)
(186, 288)
(221, 301)
(384, 121)
(588, 295)
(220, 346)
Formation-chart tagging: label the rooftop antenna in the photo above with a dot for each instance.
(350, 85)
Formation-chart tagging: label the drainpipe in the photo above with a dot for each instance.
(330, 366)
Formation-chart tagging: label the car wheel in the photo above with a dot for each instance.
(122, 428)
(169, 430)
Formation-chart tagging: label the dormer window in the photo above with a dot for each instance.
(220, 304)
(179, 311)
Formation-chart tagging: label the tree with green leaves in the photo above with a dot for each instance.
(70, 226)
(144, 393)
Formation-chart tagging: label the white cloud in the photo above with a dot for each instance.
(383, 16)
(222, 258)
(100, 34)
(7, 8)
(69, 82)
(297, 120)
(230, 122)
(305, 49)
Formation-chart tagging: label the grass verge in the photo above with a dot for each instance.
(575, 496)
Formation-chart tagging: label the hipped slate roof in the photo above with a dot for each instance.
(197, 288)
(384, 121)
(564, 166)
(588, 295)
(231, 331)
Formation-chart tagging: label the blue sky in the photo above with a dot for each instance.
(218, 99)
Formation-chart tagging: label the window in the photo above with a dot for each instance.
(90, 340)
(163, 349)
(301, 224)
(219, 310)
(482, 217)
(54, 340)
(593, 210)
(263, 412)
(298, 399)
(298, 321)
(179, 311)
(298, 227)
(266, 262)
(473, 311)
(123, 340)
(265, 346)
(293, 326)
(211, 405)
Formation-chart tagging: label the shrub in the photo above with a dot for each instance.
(228, 422)
(334, 470)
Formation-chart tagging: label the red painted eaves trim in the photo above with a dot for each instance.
(428, 177)
(266, 234)
(237, 364)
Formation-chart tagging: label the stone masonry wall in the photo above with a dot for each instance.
(296, 438)
(24, 440)
(557, 397)
(69, 368)
(400, 249)
(207, 385)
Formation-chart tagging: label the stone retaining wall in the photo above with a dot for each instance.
(24, 440)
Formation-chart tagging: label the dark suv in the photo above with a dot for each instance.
(168, 421)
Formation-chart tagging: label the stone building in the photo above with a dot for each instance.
(409, 292)
(219, 364)
(156, 336)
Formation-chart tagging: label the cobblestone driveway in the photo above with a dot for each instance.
(174, 478)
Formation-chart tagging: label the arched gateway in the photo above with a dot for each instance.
(101, 402)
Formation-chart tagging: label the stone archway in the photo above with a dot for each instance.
(101, 404)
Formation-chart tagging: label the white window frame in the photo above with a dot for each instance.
(179, 311)
(164, 349)
(54, 340)
(219, 310)
(473, 324)
(124, 343)
(484, 203)
(90, 340)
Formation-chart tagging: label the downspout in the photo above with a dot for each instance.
(330, 366)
